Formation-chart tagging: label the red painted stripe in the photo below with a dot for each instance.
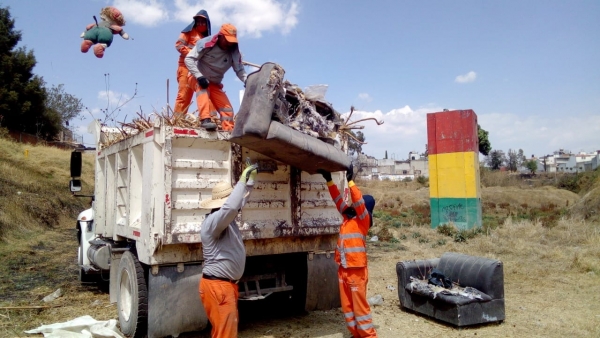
(185, 131)
(149, 133)
(136, 233)
(452, 132)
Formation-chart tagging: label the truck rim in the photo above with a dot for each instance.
(125, 295)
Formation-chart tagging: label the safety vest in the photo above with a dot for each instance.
(351, 248)
(185, 43)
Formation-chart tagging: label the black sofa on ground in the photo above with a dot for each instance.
(483, 274)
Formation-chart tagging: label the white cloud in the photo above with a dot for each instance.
(469, 77)
(365, 97)
(112, 99)
(540, 135)
(405, 130)
(143, 12)
(251, 18)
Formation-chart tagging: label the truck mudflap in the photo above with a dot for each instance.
(174, 304)
(322, 288)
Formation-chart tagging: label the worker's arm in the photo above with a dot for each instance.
(238, 66)
(182, 45)
(362, 215)
(337, 198)
(228, 212)
(192, 58)
(235, 202)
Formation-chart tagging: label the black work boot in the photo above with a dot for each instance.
(208, 125)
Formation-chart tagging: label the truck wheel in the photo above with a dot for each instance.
(132, 300)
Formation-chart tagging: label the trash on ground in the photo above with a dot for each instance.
(80, 327)
(53, 296)
(375, 300)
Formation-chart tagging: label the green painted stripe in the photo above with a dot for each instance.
(464, 213)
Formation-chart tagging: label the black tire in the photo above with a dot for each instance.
(132, 297)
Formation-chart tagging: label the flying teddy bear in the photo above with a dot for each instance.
(100, 35)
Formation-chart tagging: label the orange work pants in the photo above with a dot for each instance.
(213, 101)
(353, 294)
(184, 90)
(220, 303)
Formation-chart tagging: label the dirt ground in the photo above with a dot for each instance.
(551, 275)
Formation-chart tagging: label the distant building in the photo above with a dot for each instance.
(565, 162)
(392, 169)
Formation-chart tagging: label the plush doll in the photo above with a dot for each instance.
(101, 34)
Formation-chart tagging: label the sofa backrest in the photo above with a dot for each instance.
(484, 274)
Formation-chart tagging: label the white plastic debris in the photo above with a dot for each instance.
(374, 239)
(80, 327)
(376, 300)
(53, 296)
(315, 92)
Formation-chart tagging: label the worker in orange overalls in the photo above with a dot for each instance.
(207, 62)
(198, 29)
(351, 255)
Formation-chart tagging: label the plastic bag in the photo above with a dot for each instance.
(315, 92)
(375, 300)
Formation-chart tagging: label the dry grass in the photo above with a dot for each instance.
(552, 273)
(34, 188)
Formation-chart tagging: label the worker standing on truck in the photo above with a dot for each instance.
(198, 29)
(207, 62)
(224, 254)
(351, 255)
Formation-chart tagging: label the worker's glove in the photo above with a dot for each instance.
(350, 173)
(249, 174)
(326, 174)
(202, 82)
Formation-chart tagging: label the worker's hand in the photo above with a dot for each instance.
(326, 174)
(350, 173)
(249, 174)
(203, 82)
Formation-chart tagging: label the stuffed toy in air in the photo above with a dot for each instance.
(100, 35)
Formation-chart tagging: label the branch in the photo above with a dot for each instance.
(354, 138)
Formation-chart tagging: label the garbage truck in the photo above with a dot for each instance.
(142, 233)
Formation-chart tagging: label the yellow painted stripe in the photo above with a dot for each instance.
(454, 175)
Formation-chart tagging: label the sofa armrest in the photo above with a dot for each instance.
(415, 268)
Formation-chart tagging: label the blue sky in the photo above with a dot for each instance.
(529, 69)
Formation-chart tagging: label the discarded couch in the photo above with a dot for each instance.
(255, 128)
(482, 275)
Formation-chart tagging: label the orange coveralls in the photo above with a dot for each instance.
(351, 256)
(220, 303)
(184, 44)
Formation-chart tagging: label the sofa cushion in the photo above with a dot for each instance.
(456, 295)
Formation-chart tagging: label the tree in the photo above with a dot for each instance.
(484, 144)
(22, 95)
(495, 159)
(354, 146)
(65, 105)
(512, 160)
(532, 165)
(521, 159)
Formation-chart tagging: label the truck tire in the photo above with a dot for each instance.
(132, 297)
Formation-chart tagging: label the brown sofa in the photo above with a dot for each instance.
(484, 274)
